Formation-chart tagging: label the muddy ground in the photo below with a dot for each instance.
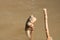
(14, 13)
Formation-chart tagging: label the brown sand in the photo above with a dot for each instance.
(14, 13)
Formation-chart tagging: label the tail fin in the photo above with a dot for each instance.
(28, 32)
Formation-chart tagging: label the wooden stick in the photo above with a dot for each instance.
(46, 24)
